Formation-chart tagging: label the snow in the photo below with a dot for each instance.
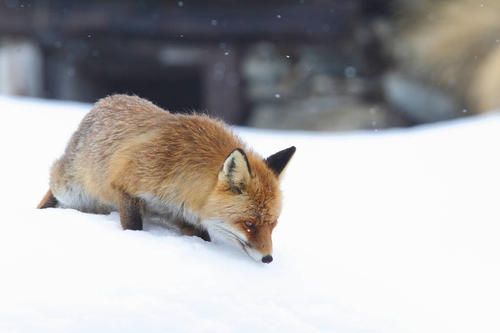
(394, 231)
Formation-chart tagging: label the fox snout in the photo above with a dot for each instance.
(267, 259)
(258, 256)
(260, 241)
(256, 242)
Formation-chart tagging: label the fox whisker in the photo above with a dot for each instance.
(231, 235)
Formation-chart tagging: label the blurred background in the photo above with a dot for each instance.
(301, 64)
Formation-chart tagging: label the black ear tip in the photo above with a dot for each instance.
(289, 151)
(277, 162)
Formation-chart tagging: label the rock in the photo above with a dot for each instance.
(420, 102)
(324, 114)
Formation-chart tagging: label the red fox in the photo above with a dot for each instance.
(129, 155)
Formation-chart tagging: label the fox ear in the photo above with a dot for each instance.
(235, 171)
(277, 162)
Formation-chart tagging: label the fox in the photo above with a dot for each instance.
(187, 171)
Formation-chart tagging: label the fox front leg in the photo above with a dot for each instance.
(130, 212)
(190, 230)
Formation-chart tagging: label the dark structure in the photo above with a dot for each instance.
(180, 54)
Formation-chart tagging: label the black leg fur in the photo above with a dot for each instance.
(189, 230)
(48, 201)
(205, 236)
(130, 213)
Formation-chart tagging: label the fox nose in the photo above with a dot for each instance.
(267, 259)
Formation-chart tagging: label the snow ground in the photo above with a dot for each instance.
(393, 231)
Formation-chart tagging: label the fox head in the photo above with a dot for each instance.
(245, 205)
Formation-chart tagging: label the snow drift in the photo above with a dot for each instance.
(393, 231)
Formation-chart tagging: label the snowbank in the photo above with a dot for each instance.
(381, 232)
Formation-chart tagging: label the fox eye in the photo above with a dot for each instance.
(249, 226)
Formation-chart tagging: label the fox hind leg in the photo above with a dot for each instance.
(68, 192)
(48, 201)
